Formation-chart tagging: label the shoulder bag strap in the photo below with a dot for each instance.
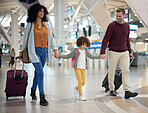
(85, 51)
(76, 52)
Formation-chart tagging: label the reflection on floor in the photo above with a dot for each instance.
(59, 86)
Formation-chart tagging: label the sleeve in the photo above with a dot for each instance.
(25, 36)
(52, 40)
(70, 55)
(128, 41)
(53, 43)
(92, 56)
(106, 38)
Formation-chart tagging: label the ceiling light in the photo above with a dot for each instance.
(65, 26)
(52, 13)
(68, 7)
(139, 43)
(12, 9)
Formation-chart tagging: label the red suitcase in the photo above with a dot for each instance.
(16, 83)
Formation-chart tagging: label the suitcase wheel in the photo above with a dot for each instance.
(107, 90)
(24, 94)
(7, 96)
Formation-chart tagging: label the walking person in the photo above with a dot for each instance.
(117, 39)
(39, 47)
(80, 63)
(12, 55)
(1, 55)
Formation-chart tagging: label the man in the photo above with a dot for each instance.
(117, 38)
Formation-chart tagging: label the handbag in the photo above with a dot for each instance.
(25, 56)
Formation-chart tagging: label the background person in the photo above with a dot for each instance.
(12, 55)
(1, 55)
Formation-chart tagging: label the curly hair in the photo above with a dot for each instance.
(83, 40)
(33, 11)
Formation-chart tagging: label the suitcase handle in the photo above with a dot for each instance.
(129, 64)
(15, 68)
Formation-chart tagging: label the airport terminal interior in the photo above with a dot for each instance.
(69, 19)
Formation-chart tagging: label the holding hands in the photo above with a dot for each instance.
(102, 56)
(56, 54)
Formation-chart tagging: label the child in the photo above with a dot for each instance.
(80, 63)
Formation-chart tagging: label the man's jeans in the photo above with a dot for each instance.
(39, 74)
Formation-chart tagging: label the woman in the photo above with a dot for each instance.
(40, 44)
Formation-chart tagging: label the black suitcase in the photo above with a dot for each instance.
(117, 81)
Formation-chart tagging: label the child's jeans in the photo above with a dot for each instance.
(80, 75)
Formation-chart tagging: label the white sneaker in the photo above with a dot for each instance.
(82, 98)
(75, 92)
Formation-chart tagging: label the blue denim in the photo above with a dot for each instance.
(39, 74)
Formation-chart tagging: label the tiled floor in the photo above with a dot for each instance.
(59, 85)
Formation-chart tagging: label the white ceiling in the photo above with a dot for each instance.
(112, 4)
(7, 5)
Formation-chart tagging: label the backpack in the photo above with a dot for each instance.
(74, 58)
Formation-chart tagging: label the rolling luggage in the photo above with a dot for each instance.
(117, 79)
(16, 83)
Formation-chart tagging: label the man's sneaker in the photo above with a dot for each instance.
(82, 98)
(75, 92)
(112, 93)
(129, 94)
